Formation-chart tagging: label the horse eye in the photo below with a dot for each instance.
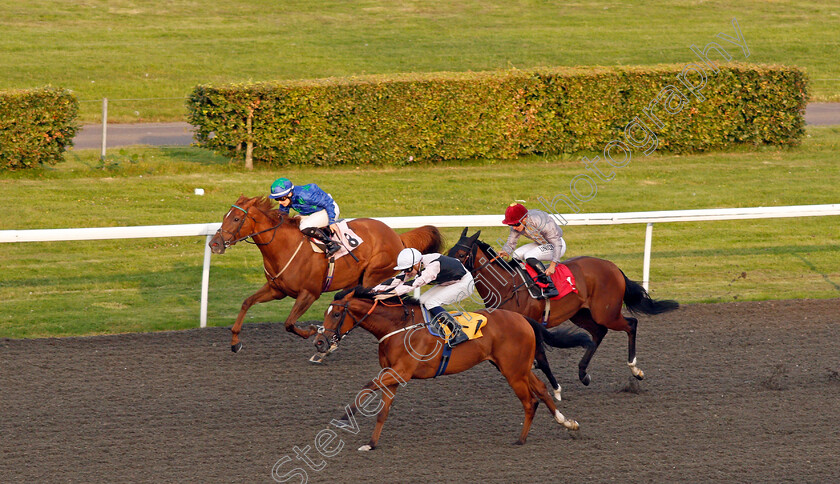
(335, 315)
(236, 219)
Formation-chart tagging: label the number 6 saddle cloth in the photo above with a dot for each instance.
(344, 235)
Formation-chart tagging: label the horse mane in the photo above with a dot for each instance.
(267, 207)
(362, 292)
(491, 253)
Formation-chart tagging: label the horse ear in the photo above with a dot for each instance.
(475, 235)
(464, 233)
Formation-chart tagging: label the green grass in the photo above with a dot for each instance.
(130, 49)
(74, 288)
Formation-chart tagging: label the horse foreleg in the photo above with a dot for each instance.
(387, 399)
(352, 408)
(522, 388)
(264, 294)
(303, 301)
(541, 362)
(585, 321)
(538, 389)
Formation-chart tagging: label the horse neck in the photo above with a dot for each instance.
(278, 244)
(493, 282)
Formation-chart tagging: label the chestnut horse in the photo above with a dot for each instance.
(407, 350)
(596, 307)
(293, 269)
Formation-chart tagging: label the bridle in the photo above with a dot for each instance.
(235, 235)
(337, 335)
(470, 262)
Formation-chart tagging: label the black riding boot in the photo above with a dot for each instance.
(533, 289)
(443, 318)
(549, 291)
(322, 235)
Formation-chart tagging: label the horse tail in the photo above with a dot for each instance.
(637, 300)
(559, 338)
(426, 239)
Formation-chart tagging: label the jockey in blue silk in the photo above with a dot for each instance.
(316, 207)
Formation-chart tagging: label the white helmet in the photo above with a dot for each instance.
(407, 258)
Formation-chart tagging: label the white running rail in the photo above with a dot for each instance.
(648, 218)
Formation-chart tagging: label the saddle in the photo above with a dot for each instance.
(470, 326)
(341, 234)
(539, 285)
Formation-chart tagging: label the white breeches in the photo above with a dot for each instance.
(317, 219)
(440, 295)
(543, 253)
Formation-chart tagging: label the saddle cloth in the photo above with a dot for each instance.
(344, 235)
(471, 324)
(562, 278)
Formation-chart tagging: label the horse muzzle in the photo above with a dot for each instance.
(322, 344)
(218, 245)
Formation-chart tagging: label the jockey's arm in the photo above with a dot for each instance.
(387, 285)
(510, 245)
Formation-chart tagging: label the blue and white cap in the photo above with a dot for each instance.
(280, 188)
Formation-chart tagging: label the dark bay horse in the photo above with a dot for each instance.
(408, 351)
(293, 269)
(596, 308)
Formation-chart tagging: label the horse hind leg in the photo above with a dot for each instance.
(631, 349)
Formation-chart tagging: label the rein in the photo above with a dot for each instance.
(338, 335)
(470, 262)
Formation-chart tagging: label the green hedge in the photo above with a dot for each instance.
(412, 118)
(36, 126)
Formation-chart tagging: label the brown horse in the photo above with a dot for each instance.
(596, 307)
(293, 269)
(407, 350)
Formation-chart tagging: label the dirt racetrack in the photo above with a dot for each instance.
(743, 392)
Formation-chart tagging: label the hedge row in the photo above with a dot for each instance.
(412, 118)
(36, 126)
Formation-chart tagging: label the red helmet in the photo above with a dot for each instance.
(514, 214)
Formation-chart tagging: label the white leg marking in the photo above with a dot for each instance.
(566, 422)
(557, 393)
(636, 371)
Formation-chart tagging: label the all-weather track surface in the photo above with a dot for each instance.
(740, 392)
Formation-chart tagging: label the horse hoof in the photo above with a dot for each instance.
(365, 448)
(586, 380)
(571, 424)
(318, 358)
(235, 348)
(640, 376)
(519, 442)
